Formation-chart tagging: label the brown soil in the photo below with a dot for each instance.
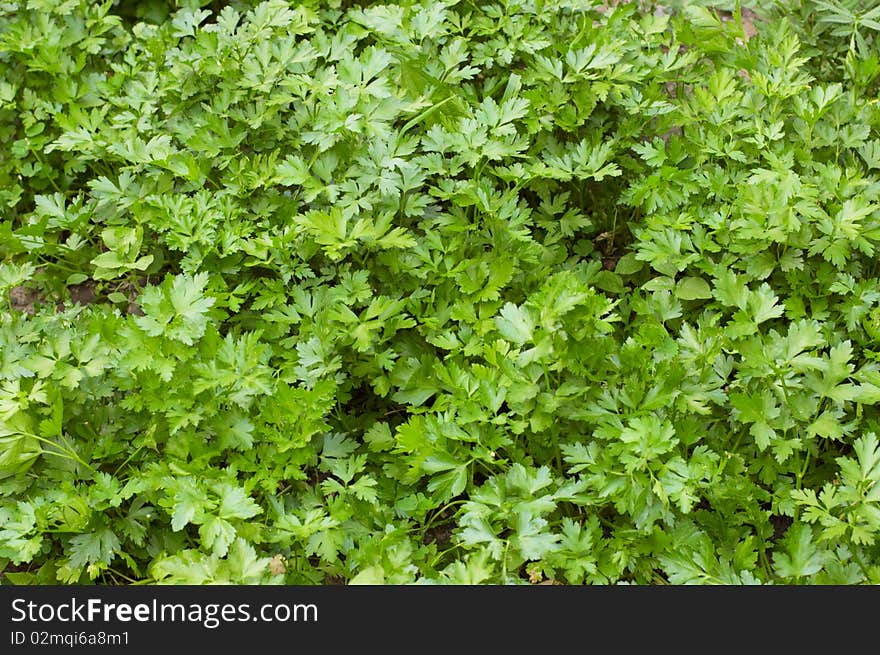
(83, 294)
(23, 299)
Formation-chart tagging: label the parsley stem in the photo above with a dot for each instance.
(440, 511)
(803, 470)
(424, 114)
(443, 553)
(128, 459)
(554, 434)
(58, 264)
(66, 451)
(65, 455)
(862, 566)
(765, 563)
(122, 575)
(43, 165)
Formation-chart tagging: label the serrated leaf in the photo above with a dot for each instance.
(515, 323)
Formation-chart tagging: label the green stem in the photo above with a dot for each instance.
(43, 165)
(434, 516)
(66, 451)
(123, 576)
(58, 264)
(442, 554)
(553, 434)
(765, 563)
(65, 455)
(803, 470)
(128, 459)
(862, 566)
(427, 112)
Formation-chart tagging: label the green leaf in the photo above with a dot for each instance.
(693, 288)
(98, 547)
(370, 575)
(800, 557)
(216, 535)
(19, 448)
(515, 323)
(176, 308)
(234, 503)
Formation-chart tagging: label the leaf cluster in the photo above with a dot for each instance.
(439, 292)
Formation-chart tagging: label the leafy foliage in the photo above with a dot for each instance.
(439, 292)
